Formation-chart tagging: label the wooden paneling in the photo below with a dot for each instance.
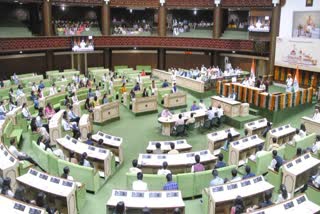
(187, 61)
(95, 59)
(62, 61)
(133, 59)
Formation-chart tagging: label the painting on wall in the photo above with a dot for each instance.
(306, 24)
(309, 3)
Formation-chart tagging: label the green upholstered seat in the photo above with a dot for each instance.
(186, 184)
(22, 122)
(81, 197)
(10, 131)
(303, 143)
(86, 175)
(225, 155)
(40, 156)
(313, 194)
(24, 167)
(202, 179)
(274, 178)
(261, 163)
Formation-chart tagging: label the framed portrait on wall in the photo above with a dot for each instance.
(306, 24)
(309, 3)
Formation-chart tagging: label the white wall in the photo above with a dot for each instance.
(286, 19)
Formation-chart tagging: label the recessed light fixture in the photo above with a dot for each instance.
(20, 52)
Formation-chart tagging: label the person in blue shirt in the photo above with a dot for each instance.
(220, 162)
(267, 200)
(90, 93)
(136, 87)
(35, 100)
(276, 162)
(105, 99)
(165, 84)
(216, 179)
(170, 185)
(248, 174)
(194, 106)
(41, 85)
(89, 140)
(174, 88)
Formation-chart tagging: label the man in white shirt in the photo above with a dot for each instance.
(216, 179)
(164, 170)
(202, 105)
(180, 121)
(25, 112)
(295, 138)
(139, 79)
(316, 145)
(34, 87)
(134, 169)
(139, 185)
(73, 116)
(53, 90)
(235, 176)
(220, 111)
(258, 153)
(211, 113)
(316, 115)
(104, 77)
(246, 82)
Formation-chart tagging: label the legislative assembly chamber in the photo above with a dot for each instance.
(159, 106)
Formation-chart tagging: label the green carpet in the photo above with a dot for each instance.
(136, 133)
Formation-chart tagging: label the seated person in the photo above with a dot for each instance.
(316, 180)
(41, 202)
(284, 195)
(20, 155)
(216, 179)
(49, 111)
(166, 113)
(316, 115)
(316, 145)
(164, 170)
(180, 120)
(25, 112)
(89, 140)
(202, 105)
(53, 90)
(83, 160)
(295, 138)
(73, 116)
(258, 152)
(134, 169)
(303, 131)
(72, 158)
(170, 185)
(174, 88)
(136, 87)
(165, 84)
(67, 125)
(248, 174)
(66, 101)
(158, 149)
(95, 102)
(105, 99)
(91, 94)
(238, 206)
(6, 188)
(227, 142)
(197, 167)
(3, 110)
(220, 162)
(235, 176)
(191, 120)
(267, 200)
(276, 162)
(44, 144)
(233, 95)
(145, 93)
(132, 94)
(139, 184)
(211, 113)
(65, 174)
(173, 150)
(267, 129)
(194, 106)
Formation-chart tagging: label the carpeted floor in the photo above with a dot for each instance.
(136, 133)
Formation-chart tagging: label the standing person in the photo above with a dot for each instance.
(289, 83)
(174, 88)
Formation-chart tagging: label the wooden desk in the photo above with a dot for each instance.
(3, 124)
(230, 107)
(112, 143)
(77, 107)
(169, 122)
(60, 192)
(217, 139)
(297, 172)
(240, 151)
(221, 198)
(299, 204)
(85, 126)
(177, 163)
(283, 134)
(312, 126)
(174, 100)
(13, 206)
(100, 158)
(163, 202)
(8, 166)
(55, 126)
(256, 127)
(144, 104)
(106, 112)
(180, 145)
